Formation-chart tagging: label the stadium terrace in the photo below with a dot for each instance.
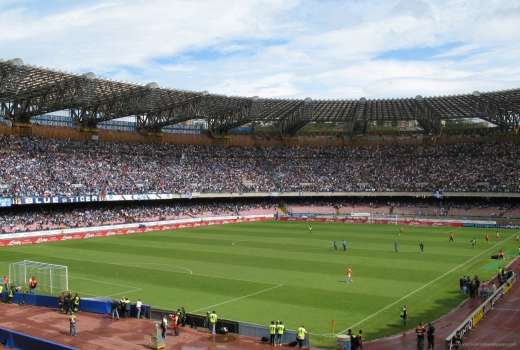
(86, 172)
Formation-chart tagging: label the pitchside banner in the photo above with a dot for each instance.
(17, 239)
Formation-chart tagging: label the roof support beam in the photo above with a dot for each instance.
(358, 123)
(56, 97)
(191, 108)
(232, 116)
(9, 78)
(501, 113)
(428, 118)
(27, 91)
(297, 118)
(120, 105)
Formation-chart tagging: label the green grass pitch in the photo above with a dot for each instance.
(260, 272)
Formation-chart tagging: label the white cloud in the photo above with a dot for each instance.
(178, 68)
(131, 32)
(279, 48)
(278, 85)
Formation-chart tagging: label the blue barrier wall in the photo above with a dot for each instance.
(17, 340)
(97, 306)
(38, 300)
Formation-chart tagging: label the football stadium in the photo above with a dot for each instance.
(144, 216)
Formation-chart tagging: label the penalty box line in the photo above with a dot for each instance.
(239, 298)
(424, 286)
(131, 290)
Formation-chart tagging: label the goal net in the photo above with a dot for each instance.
(52, 279)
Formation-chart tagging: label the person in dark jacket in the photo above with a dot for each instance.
(114, 309)
(419, 332)
(164, 326)
(183, 316)
(404, 315)
(67, 302)
(61, 302)
(353, 342)
(360, 340)
(430, 336)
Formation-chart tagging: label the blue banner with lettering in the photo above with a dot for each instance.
(5, 202)
(55, 199)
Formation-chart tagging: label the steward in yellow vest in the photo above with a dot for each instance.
(300, 335)
(213, 318)
(280, 330)
(272, 332)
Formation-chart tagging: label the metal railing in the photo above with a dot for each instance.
(476, 316)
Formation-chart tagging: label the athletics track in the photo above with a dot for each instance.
(499, 330)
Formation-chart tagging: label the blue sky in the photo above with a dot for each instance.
(275, 48)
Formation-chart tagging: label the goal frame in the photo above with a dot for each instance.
(39, 266)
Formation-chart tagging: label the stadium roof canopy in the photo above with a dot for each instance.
(27, 91)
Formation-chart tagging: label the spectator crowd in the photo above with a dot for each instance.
(48, 217)
(31, 166)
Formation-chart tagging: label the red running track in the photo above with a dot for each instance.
(98, 332)
(499, 330)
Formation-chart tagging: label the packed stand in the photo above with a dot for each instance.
(409, 206)
(493, 167)
(32, 166)
(48, 218)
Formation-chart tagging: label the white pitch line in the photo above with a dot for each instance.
(133, 288)
(172, 267)
(102, 282)
(193, 274)
(235, 242)
(123, 293)
(239, 298)
(424, 286)
(87, 294)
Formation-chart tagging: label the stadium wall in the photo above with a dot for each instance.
(240, 140)
(16, 340)
(92, 305)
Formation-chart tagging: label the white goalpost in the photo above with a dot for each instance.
(52, 279)
(367, 216)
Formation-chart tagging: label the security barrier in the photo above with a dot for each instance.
(37, 300)
(96, 306)
(198, 321)
(259, 331)
(238, 327)
(476, 316)
(15, 340)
